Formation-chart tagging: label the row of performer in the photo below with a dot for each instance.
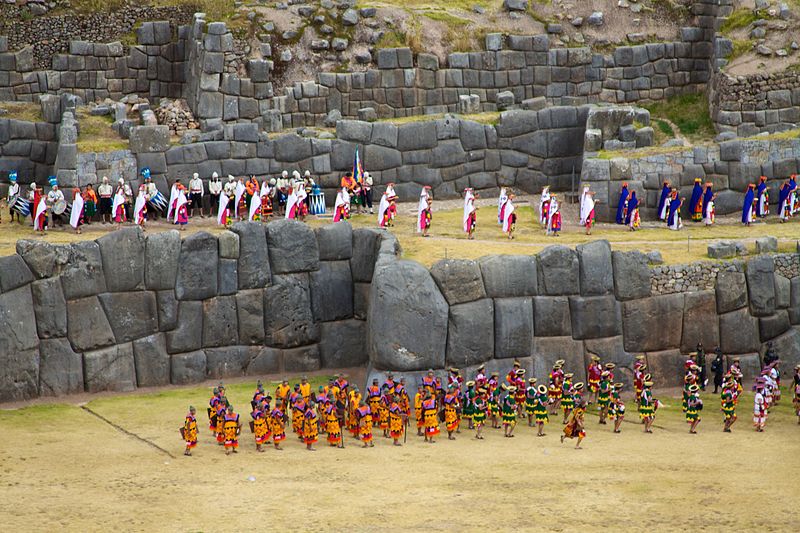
(340, 407)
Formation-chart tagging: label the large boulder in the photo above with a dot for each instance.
(365, 252)
(551, 316)
(253, 266)
(470, 333)
(611, 350)
(123, 253)
(109, 369)
(83, 275)
(220, 325)
(738, 332)
(197, 267)
(783, 292)
(507, 276)
(292, 247)
(770, 327)
(335, 241)
(14, 273)
(794, 302)
(151, 361)
(700, 322)
(666, 367)
(332, 291)
(343, 344)
(60, 368)
(559, 271)
(227, 277)
(459, 280)
(302, 359)
(360, 299)
(787, 346)
(413, 336)
(250, 316)
(186, 368)
(513, 327)
(547, 350)
(43, 259)
(50, 308)
(230, 361)
(731, 291)
(761, 285)
(188, 335)
(631, 275)
(19, 346)
(596, 273)
(288, 320)
(594, 317)
(653, 324)
(131, 314)
(87, 325)
(161, 260)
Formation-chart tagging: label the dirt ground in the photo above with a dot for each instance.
(64, 468)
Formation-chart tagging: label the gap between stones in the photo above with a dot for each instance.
(126, 432)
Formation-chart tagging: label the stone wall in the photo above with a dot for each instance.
(747, 105)
(570, 304)
(30, 148)
(729, 165)
(132, 310)
(525, 149)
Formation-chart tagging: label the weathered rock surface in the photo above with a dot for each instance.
(197, 267)
(151, 360)
(253, 267)
(559, 271)
(123, 254)
(513, 327)
(552, 316)
(331, 291)
(596, 273)
(19, 347)
(631, 275)
(50, 308)
(343, 344)
(335, 241)
(700, 322)
(292, 247)
(87, 325)
(161, 260)
(761, 285)
(288, 320)
(459, 280)
(60, 368)
(470, 333)
(109, 369)
(731, 291)
(653, 324)
(414, 336)
(594, 317)
(131, 314)
(738, 332)
(507, 276)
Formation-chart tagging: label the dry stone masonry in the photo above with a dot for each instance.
(132, 310)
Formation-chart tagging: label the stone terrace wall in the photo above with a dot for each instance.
(569, 304)
(132, 310)
(526, 149)
(729, 165)
(528, 68)
(30, 148)
(747, 105)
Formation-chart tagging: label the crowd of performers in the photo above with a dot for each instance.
(388, 409)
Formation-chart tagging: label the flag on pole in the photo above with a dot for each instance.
(358, 169)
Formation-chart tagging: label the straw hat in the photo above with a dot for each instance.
(560, 362)
(531, 380)
(611, 366)
(520, 371)
(604, 374)
(648, 384)
(595, 358)
(569, 375)
(694, 388)
(542, 389)
(470, 383)
(618, 385)
(512, 388)
(578, 386)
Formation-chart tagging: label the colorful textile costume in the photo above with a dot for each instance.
(190, 431)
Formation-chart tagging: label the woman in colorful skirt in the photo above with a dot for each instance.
(540, 410)
(89, 203)
(260, 426)
(333, 427)
(277, 422)
(396, 423)
(575, 424)
(493, 404)
(509, 410)
(451, 412)
(647, 406)
(759, 408)
(617, 407)
(430, 416)
(567, 396)
(479, 409)
(587, 209)
(310, 426)
(728, 405)
(190, 431)
(693, 407)
(530, 400)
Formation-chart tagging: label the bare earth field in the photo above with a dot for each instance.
(66, 469)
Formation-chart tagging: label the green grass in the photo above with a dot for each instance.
(96, 134)
(22, 111)
(689, 112)
(663, 127)
(740, 47)
(447, 18)
(740, 18)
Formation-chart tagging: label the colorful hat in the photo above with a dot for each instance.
(482, 366)
(605, 373)
(648, 377)
(694, 388)
(53, 181)
(618, 385)
(569, 375)
(595, 358)
(470, 383)
(611, 366)
(482, 390)
(12, 176)
(578, 385)
(512, 388)
(559, 362)
(453, 370)
(648, 383)
(531, 380)
(520, 371)
(542, 389)
(495, 374)
(516, 363)
(146, 172)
